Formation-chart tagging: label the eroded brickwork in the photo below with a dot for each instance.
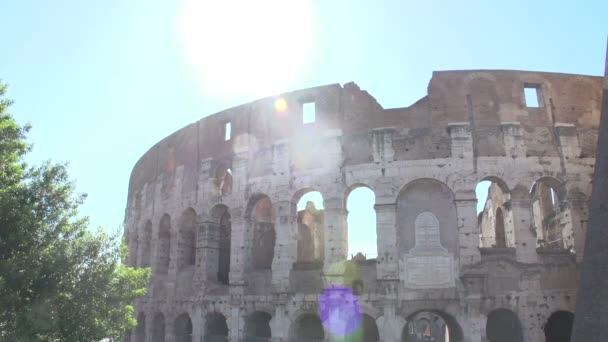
(234, 259)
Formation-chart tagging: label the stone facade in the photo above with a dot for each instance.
(212, 209)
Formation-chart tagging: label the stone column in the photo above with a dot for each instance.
(149, 326)
(575, 234)
(280, 324)
(285, 248)
(513, 137)
(390, 325)
(336, 241)
(235, 324)
(238, 255)
(207, 252)
(170, 328)
(468, 231)
(198, 325)
(525, 237)
(462, 140)
(387, 267)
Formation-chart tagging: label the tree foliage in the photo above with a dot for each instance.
(59, 281)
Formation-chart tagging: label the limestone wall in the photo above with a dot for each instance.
(423, 163)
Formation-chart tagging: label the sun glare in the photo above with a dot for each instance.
(247, 47)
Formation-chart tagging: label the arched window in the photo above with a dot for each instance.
(264, 235)
(140, 329)
(362, 223)
(546, 213)
(426, 197)
(158, 328)
(503, 326)
(183, 328)
(146, 246)
(216, 329)
(257, 327)
(309, 328)
(164, 245)
(311, 228)
(368, 332)
(187, 239)
(225, 233)
(133, 243)
(432, 326)
(494, 216)
(559, 327)
(223, 179)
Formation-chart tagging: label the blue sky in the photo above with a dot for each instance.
(102, 81)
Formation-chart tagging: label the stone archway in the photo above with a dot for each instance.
(559, 327)
(503, 326)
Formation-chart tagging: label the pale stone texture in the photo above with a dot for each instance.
(426, 158)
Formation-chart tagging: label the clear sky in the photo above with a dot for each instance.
(102, 81)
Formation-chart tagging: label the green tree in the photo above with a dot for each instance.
(59, 281)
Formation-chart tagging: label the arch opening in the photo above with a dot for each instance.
(183, 328)
(264, 234)
(140, 328)
(367, 331)
(426, 196)
(216, 329)
(549, 217)
(559, 327)
(311, 229)
(257, 327)
(187, 239)
(361, 223)
(146, 246)
(494, 216)
(309, 329)
(433, 326)
(158, 328)
(164, 245)
(225, 235)
(503, 325)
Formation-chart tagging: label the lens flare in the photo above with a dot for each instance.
(340, 311)
(280, 105)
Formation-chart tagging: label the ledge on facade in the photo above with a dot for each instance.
(308, 265)
(546, 250)
(497, 250)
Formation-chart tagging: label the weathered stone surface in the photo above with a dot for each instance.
(217, 219)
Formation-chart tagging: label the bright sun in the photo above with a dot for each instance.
(251, 48)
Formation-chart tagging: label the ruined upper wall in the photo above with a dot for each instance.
(485, 100)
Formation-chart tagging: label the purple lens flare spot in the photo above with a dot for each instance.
(340, 310)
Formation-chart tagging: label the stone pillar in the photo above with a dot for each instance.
(525, 236)
(280, 324)
(468, 231)
(238, 248)
(513, 137)
(207, 252)
(387, 267)
(462, 140)
(285, 248)
(568, 140)
(198, 325)
(390, 325)
(575, 235)
(170, 328)
(336, 241)
(235, 324)
(149, 326)
(382, 145)
(133, 243)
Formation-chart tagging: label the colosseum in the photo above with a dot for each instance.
(215, 209)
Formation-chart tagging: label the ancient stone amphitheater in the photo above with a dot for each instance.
(213, 210)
